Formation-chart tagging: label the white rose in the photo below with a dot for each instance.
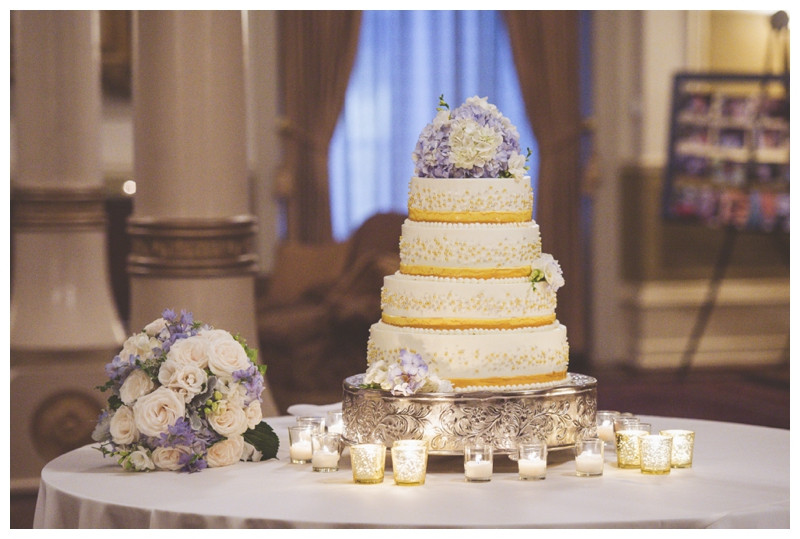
(552, 274)
(227, 354)
(168, 458)
(249, 452)
(376, 373)
(139, 460)
(228, 420)
(186, 379)
(516, 165)
(226, 452)
(157, 411)
(190, 351)
(140, 345)
(123, 427)
(137, 383)
(253, 414)
(155, 327)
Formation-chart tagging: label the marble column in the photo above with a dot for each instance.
(192, 231)
(63, 323)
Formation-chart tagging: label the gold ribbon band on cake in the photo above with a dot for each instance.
(469, 323)
(501, 381)
(468, 273)
(470, 217)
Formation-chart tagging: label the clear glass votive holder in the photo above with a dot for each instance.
(656, 454)
(532, 460)
(409, 462)
(622, 421)
(478, 462)
(368, 462)
(334, 422)
(300, 449)
(605, 426)
(627, 443)
(589, 457)
(682, 447)
(315, 422)
(325, 451)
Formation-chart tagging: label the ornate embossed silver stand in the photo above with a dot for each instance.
(559, 415)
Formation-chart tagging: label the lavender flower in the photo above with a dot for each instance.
(253, 383)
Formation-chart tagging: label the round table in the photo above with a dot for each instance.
(740, 479)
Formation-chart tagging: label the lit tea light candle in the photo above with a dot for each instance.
(325, 459)
(605, 425)
(532, 459)
(300, 448)
(478, 470)
(300, 451)
(589, 457)
(532, 467)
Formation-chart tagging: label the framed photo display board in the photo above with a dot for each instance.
(728, 162)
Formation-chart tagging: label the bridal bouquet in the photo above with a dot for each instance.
(184, 396)
(473, 141)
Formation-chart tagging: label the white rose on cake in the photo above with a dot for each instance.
(156, 411)
(547, 269)
(225, 452)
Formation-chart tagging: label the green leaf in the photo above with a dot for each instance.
(264, 439)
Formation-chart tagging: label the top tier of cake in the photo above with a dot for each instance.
(470, 200)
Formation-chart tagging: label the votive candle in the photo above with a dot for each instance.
(478, 462)
(368, 462)
(300, 444)
(682, 447)
(589, 457)
(409, 462)
(532, 460)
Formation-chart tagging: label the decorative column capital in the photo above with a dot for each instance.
(191, 248)
(54, 207)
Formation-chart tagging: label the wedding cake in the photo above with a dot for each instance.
(473, 304)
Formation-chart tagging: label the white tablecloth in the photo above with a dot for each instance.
(740, 479)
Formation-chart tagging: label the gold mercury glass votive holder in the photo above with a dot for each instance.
(368, 462)
(325, 451)
(682, 447)
(409, 462)
(627, 443)
(656, 454)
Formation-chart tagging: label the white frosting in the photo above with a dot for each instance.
(464, 354)
(480, 299)
(468, 195)
(456, 246)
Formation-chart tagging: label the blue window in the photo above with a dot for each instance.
(406, 59)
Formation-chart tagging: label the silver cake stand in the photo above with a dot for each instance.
(560, 415)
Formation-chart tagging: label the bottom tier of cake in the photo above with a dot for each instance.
(559, 415)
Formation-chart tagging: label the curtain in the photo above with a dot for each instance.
(405, 61)
(317, 51)
(546, 52)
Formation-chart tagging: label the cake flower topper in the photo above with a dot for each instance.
(473, 141)
(405, 376)
(547, 269)
(184, 396)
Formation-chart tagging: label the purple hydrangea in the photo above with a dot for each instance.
(408, 375)
(473, 141)
(253, 383)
